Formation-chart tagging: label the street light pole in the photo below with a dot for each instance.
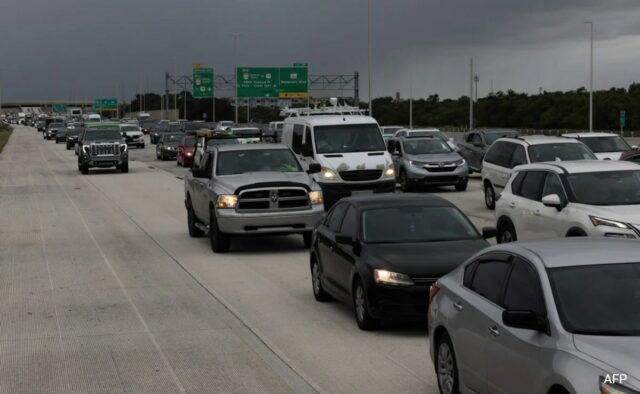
(471, 94)
(591, 80)
(369, 47)
(235, 61)
(476, 79)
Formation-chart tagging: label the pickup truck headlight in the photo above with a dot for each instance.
(328, 174)
(85, 149)
(123, 148)
(315, 197)
(596, 221)
(390, 172)
(391, 278)
(227, 201)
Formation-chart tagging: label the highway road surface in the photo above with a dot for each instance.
(103, 290)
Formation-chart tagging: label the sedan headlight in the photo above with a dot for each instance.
(596, 221)
(227, 201)
(315, 197)
(391, 278)
(188, 154)
(390, 172)
(328, 174)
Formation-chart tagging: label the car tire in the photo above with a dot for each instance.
(489, 196)
(125, 167)
(446, 366)
(307, 237)
(68, 147)
(316, 282)
(84, 169)
(365, 321)
(405, 183)
(506, 233)
(194, 232)
(462, 186)
(219, 240)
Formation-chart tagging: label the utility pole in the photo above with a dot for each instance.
(411, 100)
(476, 79)
(184, 91)
(235, 61)
(369, 46)
(471, 95)
(492, 87)
(591, 80)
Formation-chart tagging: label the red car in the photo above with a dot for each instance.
(185, 150)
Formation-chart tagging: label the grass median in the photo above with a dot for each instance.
(4, 137)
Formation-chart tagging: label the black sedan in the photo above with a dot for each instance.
(381, 253)
(167, 146)
(476, 143)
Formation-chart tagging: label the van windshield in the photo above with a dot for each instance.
(348, 138)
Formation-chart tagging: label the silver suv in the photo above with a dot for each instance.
(557, 316)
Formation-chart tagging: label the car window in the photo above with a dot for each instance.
(553, 185)
(492, 153)
(516, 185)
(296, 138)
(523, 290)
(489, 278)
(336, 217)
(476, 139)
(500, 153)
(531, 185)
(350, 222)
(518, 157)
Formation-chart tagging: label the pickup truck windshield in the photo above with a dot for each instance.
(348, 138)
(97, 135)
(262, 160)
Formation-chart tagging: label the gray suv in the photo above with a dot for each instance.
(102, 148)
(427, 161)
(555, 316)
(251, 189)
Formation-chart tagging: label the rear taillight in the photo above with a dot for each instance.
(433, 290)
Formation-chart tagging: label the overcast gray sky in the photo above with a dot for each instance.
(67, 49)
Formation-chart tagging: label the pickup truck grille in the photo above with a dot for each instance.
(272, 199)
(105, 149)
(360, 175)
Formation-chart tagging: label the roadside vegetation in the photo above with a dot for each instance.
(5, 132)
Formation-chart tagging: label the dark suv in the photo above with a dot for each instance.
(102, 148)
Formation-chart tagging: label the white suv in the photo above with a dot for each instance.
(570, 199)
(606, 146)
(506, 153)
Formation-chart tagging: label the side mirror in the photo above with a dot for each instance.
(552, 200)
(314, 168)
(527, 320)
(200, 173)
(345, 239)
(634, 147)
(391, 146)
(489, 232)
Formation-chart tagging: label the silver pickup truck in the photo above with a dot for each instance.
(251, 189)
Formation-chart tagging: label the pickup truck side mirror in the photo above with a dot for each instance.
(314, 168)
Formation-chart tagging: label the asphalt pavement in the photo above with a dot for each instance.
(104, 290)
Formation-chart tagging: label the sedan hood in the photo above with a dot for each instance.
(378, 160)
(232, 182)
(620, 353)
(428, 258)
(435, 158)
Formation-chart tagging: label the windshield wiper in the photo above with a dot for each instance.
(603, 333)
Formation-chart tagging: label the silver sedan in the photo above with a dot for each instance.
(556, 316)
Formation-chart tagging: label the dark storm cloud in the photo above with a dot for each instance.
(83, 49)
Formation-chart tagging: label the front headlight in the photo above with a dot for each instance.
(85, 148)
(315, 197)
(189, 153)
(123, 148)
(226, 201)
(328, 174)
(417, 163)
(460, 162)
(391, 278)
(596, 221)
(390, 172)
(614, 388)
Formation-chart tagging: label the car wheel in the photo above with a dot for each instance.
(506, 233)
(307, 237)
(125, 167)
(219, 240)
(318, 292)
(446, 367)
(489, 196)
(364, 319)
(157, 156)
(462, 186)
(84, 169)
(405, 184)
(68, 147)
(194, 232)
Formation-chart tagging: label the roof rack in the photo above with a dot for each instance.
(333, 109)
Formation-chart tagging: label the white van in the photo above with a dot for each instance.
(94, 118)
(348, 146)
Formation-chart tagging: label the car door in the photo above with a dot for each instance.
(553, 223)
(473, 308)
(526, 205)
(327, 245)
(200, 198)
(513, 354)
(393, 147)
(474, 150)
(344, 255)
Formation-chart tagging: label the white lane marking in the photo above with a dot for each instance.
(164, 359)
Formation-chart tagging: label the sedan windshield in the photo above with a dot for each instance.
(348, 138)
(189, 142)
(427, 146)
(173, 137)
(262, 160)
(56, 125)
(561, 151)
(606, 144)
(97, 135)
(174, 127)
(613, 187)
(610, 306)
(250, 132)
(416, 224)
(129, 128)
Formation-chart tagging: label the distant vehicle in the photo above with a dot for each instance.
(186, 150)
(522, 318)
(72, 136)
(148, 125)
(222, 125)
(21, 117)
(74, 113)
(251, 189)
(389, 131)
(132, 135)
(53, 129)
(246, 135)
(425, 132)
(93, 118)
(167, 146)
(506, 153)
(606, 146)
(275, 131)
(102, 147)
(570, 199)
(381, 253)
(427, 161)
(192, 127)
(476, 143)
(349, 148)
(142, 116)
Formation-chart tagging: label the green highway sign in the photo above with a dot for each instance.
(59, 108)
(202, 82)
(107, 104)
(623, 116)
(300, 64)
(272, 82)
